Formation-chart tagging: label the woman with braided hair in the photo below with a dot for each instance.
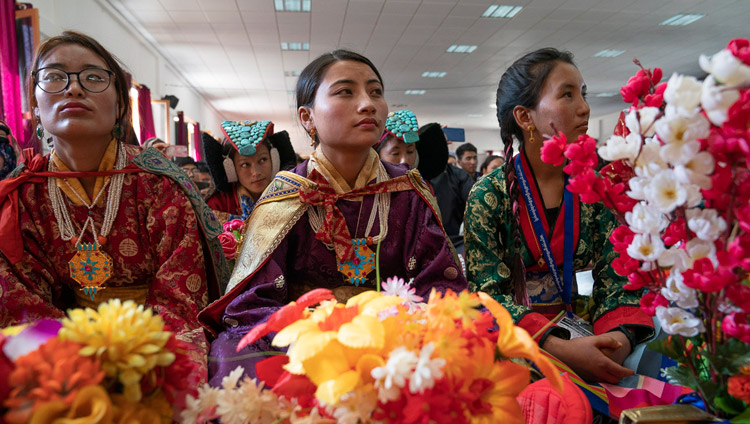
(527, 235)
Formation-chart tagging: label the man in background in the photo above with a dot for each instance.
(467, 159)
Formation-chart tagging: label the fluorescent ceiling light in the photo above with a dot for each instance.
(609, 53)
(475, 115)
(607, 94)
(500, 11)
(682, 20)
(291, 73)
(414, 92)
(294, 46)
(292, 5)
(433, 74)
(460, 48)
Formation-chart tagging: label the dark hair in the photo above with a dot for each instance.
(462, 149)
(521, 85)
(113, 64)
(487, 162)
(310, 78)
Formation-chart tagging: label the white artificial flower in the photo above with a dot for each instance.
(644, 219)
(726, 68)
(397, 287)
(426, 371)
(649, 162)
(646, 247)
(705, 223)
(679, 321)
(230, 381)
(697, 170)
(356, 407)
(697, 249)
(665, 193)
(677, 131)
(683, 92)
(676, 291)
(200, 409)
(675, 258)
(397, 370)
(641, 121)
(617, 148)
(637, 185)
(716, 100)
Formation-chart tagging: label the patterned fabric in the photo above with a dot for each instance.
(232, 205)
(488, 262)
(162, 243)
(283, 259)
(334, 230)
(9, 157)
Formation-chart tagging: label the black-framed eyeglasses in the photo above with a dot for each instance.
(54, 80)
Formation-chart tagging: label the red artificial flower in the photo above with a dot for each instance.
(719, 195)
(621, 238)
(638, 280)
(736, 325)
(234, 225)
(640, 85)
(740, 48)
(179, 379)
(656, 99)
(228, 244)
(705, 278)
(585, 184)
(739, 294)
(436, 405)
(739, 248)
(553, 149)
(738, 116)
(675, 232)
(624, 265)
(616, 197)
(620, 128)
(651, 300)
(582, 155)
(739, 387)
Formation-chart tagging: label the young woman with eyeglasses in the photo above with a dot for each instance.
(319, 225)
(96, 219)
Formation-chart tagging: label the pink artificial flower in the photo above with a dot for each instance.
(739, 294)
(718, 196)
(585, 184)
(553, 149)
(675, 232)
(624, 265)
(651, 300)
(740, 48)
(617, 199)
(705, 278)
(739, 248)
(738, 114)
(234, 225)
(638, 280)
(582, 155)
(735, 325)
(639, 85)
(621, 238)
(228, 244)
(656, 99)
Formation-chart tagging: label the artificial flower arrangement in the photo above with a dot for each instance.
(382, 357)
(115, 364)
(231, 239)
(678, 181)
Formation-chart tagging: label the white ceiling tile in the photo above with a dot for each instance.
(224, 17)
(360, 7)
(180, 4)
(400, 7)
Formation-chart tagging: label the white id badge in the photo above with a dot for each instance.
(576, 326)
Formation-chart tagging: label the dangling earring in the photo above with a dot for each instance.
(313, 133)
(117, 131)
(531, 133)
(39, 131)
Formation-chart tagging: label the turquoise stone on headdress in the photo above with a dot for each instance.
(403, 125)
(246, 135)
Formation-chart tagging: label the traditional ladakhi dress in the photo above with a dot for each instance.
(237, 204)
(489, 260)
(281, 258)
(163, 246)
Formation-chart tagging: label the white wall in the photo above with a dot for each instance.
(99, 20)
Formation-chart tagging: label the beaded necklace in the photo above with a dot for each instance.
(90, 266)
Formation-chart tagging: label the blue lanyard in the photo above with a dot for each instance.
(564, 285)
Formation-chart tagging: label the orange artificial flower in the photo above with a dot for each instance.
(53, 372)
(739, 387)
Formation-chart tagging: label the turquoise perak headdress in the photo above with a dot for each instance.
(402, 124)
(246, 135)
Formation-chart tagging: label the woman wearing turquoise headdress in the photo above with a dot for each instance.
(243, 166)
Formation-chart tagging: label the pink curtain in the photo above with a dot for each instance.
(10, 96)
(197, 141)
(145, 113)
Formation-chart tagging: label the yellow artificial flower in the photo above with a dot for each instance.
(91, 405)
(126, 338)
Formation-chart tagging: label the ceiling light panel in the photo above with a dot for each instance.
(292, 5)
(609, 53)
(414, 92)
(433, 74)
(681, 20)
(294, 46)
(501, 11)
(460, 48)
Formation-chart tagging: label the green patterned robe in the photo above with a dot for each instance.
(489, 254)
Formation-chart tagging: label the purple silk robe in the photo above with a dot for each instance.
(415, 247)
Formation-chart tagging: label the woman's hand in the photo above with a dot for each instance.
(618, 355)
(591, 357)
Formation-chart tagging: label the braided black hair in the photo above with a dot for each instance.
(521, 85)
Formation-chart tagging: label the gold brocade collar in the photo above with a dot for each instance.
(242, 191)
(74, 186)
(369, 171)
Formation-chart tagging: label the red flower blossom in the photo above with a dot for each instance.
(739, 387)
(656, 99)
(739, 294)
(705, 278)
(675, 232)
(585, 184)
(553, 149)
(621, 238)
(738, 115)
(228, 244)
(638, 280)
(582, 155)
(735, 325)
(651, 300)
(436, 405)
(640, 85)
(740, 48)
(180, 378)
(625, 265)
(234, 225)
(718, 197)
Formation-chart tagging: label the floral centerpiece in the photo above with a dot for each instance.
(382, 357)
(678, 181)
(114, 364)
